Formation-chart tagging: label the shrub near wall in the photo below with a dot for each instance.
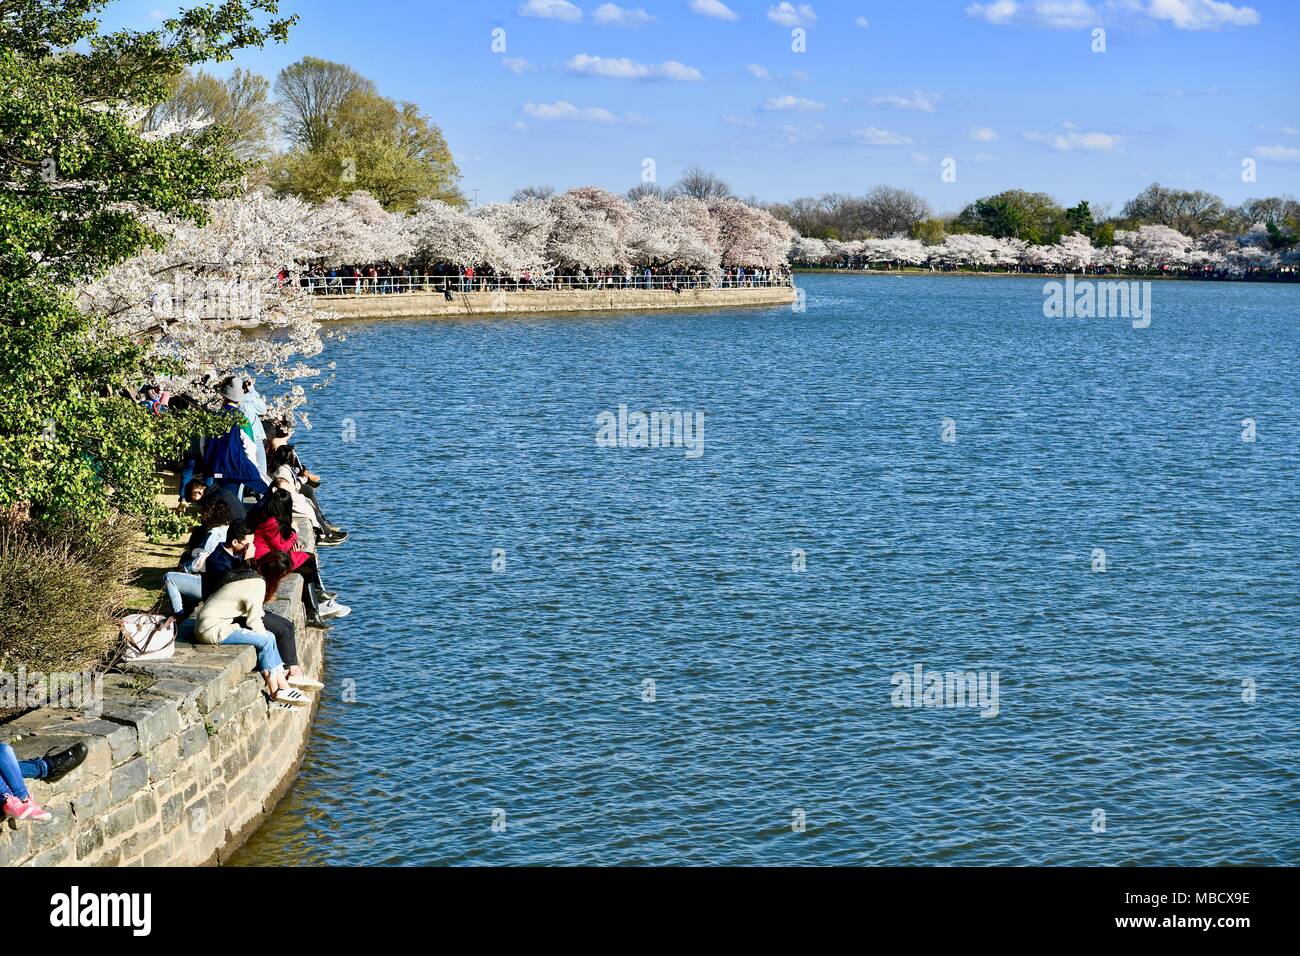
(59, 589)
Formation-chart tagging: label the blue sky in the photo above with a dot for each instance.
(884, 92)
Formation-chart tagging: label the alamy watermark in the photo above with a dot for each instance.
(26, 689)
(1087, 299)
(930, 688)
(626, 429)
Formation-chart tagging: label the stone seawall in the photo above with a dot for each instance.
(186, 760)
(414, 304)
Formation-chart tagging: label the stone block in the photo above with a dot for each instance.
(90, 840)
(127, 780)
(119, 822)
(91, 802)
(154, 718)
(162, 760)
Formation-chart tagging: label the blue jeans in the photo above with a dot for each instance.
(268, 655)
(181, 586)
(12, 771)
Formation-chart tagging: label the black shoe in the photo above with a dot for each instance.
(332, 540)
(63, 762)
(318, 623)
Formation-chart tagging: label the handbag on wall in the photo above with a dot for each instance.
(148, 637)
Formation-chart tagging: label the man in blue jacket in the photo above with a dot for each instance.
(231, 459)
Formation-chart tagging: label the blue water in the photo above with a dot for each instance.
(522, 691)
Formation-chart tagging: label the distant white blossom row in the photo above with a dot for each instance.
(1146, 248)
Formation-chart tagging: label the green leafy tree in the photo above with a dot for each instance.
(930, 231)
(81, 178)
(1015, 214)
(1079, 219)
(347, 137)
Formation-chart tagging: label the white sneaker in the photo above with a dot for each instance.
(333, 609)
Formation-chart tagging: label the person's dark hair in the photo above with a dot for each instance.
(279, 505)
(274, 567)
(195, 483)
(216, 512)
(284, 455)
(237, 530)
(240, 572)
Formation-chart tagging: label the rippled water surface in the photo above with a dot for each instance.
(522, 691)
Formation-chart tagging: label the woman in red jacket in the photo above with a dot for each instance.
(273, 531)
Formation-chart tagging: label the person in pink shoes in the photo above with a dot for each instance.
(18, 803)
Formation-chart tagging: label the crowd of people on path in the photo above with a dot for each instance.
(389, 279)
(248, 487)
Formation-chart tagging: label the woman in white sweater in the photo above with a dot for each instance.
(233, 615)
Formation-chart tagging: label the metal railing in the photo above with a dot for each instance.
(404, 284)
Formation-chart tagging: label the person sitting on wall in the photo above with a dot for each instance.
(54, 766)
(184, 586)
(273, 531)
(235, 615)
(198, 493)
(305, 483)
(274, 568)
(286, 473)
(230, 460)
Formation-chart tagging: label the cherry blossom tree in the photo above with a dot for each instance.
(749, 236)
(188, 301)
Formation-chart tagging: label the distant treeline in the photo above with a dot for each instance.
(1037, 218)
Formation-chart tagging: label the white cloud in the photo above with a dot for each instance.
(1079, 14)
(1073, 139)
(758, 72)
(612, 15)
(551, 10)
(983, 134)
(874, 136)
(1065, 14)
(516, 64)
(624, 69)
(1279, 154)
(793, 103)
(1000, 11)
(1202, 14)
(919, 101)
(861, 22)
(713, 8)
(672, 70)
(564, 110)
(788, 15)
